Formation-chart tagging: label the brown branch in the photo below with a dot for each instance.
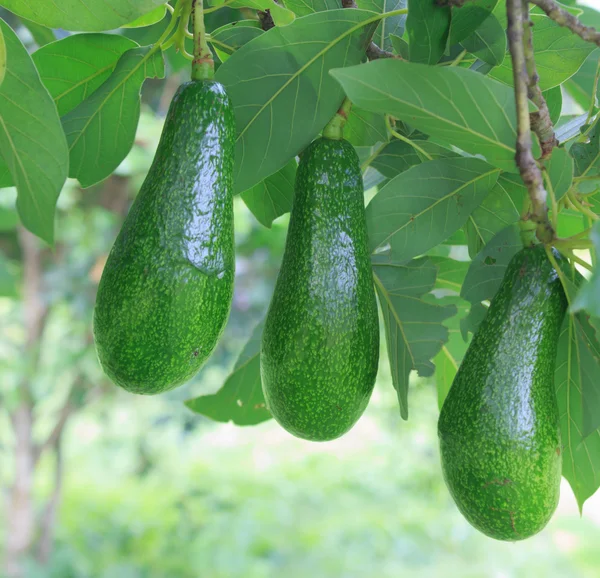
(566, 19)
(540, 120)
(374, 52)
(530, 172)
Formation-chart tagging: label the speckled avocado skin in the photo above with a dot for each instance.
(166, 289)
(499, 428)
(320, 344)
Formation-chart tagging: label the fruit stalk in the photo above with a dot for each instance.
(203, 66)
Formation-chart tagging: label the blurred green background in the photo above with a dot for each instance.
(135, 487)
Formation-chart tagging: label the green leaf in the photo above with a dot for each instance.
(451, 273)
(273, 197)
(501, 208)
(32, 143)
(101, 129)
(413, 327)
(241, 399)
(394, 25)
(2, 57)
(488, 42)
(554, 101)
(424, 205)
(365, 128)
(560, 172)
(400, 46)
(462, 107)
(486, 272)
(81, 15)
(570, 223)
(149, 18)
(466, 19)
(558, 54)
(281, 80)
(587, 156)
(231, 37)
(577, 369)
(74, 67)
(395, 158)
(306, 7)
(427, 27)
(569, 127)
(281, 15)
(448, 360)
(588, 297)
(581, 84)
(41, 34)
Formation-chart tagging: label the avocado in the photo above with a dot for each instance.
(499, 428)
(320, 344)
(166, 289)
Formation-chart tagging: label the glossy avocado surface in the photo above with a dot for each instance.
(320, 344)
(166, 289)
(499, 428)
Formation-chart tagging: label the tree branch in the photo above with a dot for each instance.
(540, 121)
(374, 52)
(530, 172)
(566, 19)
(265, 19)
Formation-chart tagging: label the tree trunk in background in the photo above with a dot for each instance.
(20, 521)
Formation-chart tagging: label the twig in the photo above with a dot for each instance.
(566, 19)
(530, 172)
(541, 123)
(374, 52)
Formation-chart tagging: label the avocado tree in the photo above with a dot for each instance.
(475, 126)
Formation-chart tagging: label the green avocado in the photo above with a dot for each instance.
(499, 428)
(320, 344)
(166, 289)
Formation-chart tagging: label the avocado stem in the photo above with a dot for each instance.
(334, 129)
(203, 66)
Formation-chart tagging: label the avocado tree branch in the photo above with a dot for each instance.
(541, 123)
(528, 168)
(203, 66)
(566, 19)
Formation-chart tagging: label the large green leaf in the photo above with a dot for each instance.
(10, 277)
(149, 18)
(560, 171)
(306, 7)
(365, 128)
(74, 67)
(588, 297)
(488, 42)
(577, 368)
(462, 107)
(558, 53)
(587, 157)
(101, 129)
(427, 27)
(581, 84)
(392, 26)
(281, 14)
(554, 101)
(413, 327)
(448, 360)
(241, 399)
(231, 37)
(82, 15)
(501, 208)
(395, 158)
(281, 80)
(424, 205)
(466, 19)
(273, 197)
(2, 56)
(32, 142)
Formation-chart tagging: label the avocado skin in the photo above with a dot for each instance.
(166, 289)
(320, 344)
(499, 427)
